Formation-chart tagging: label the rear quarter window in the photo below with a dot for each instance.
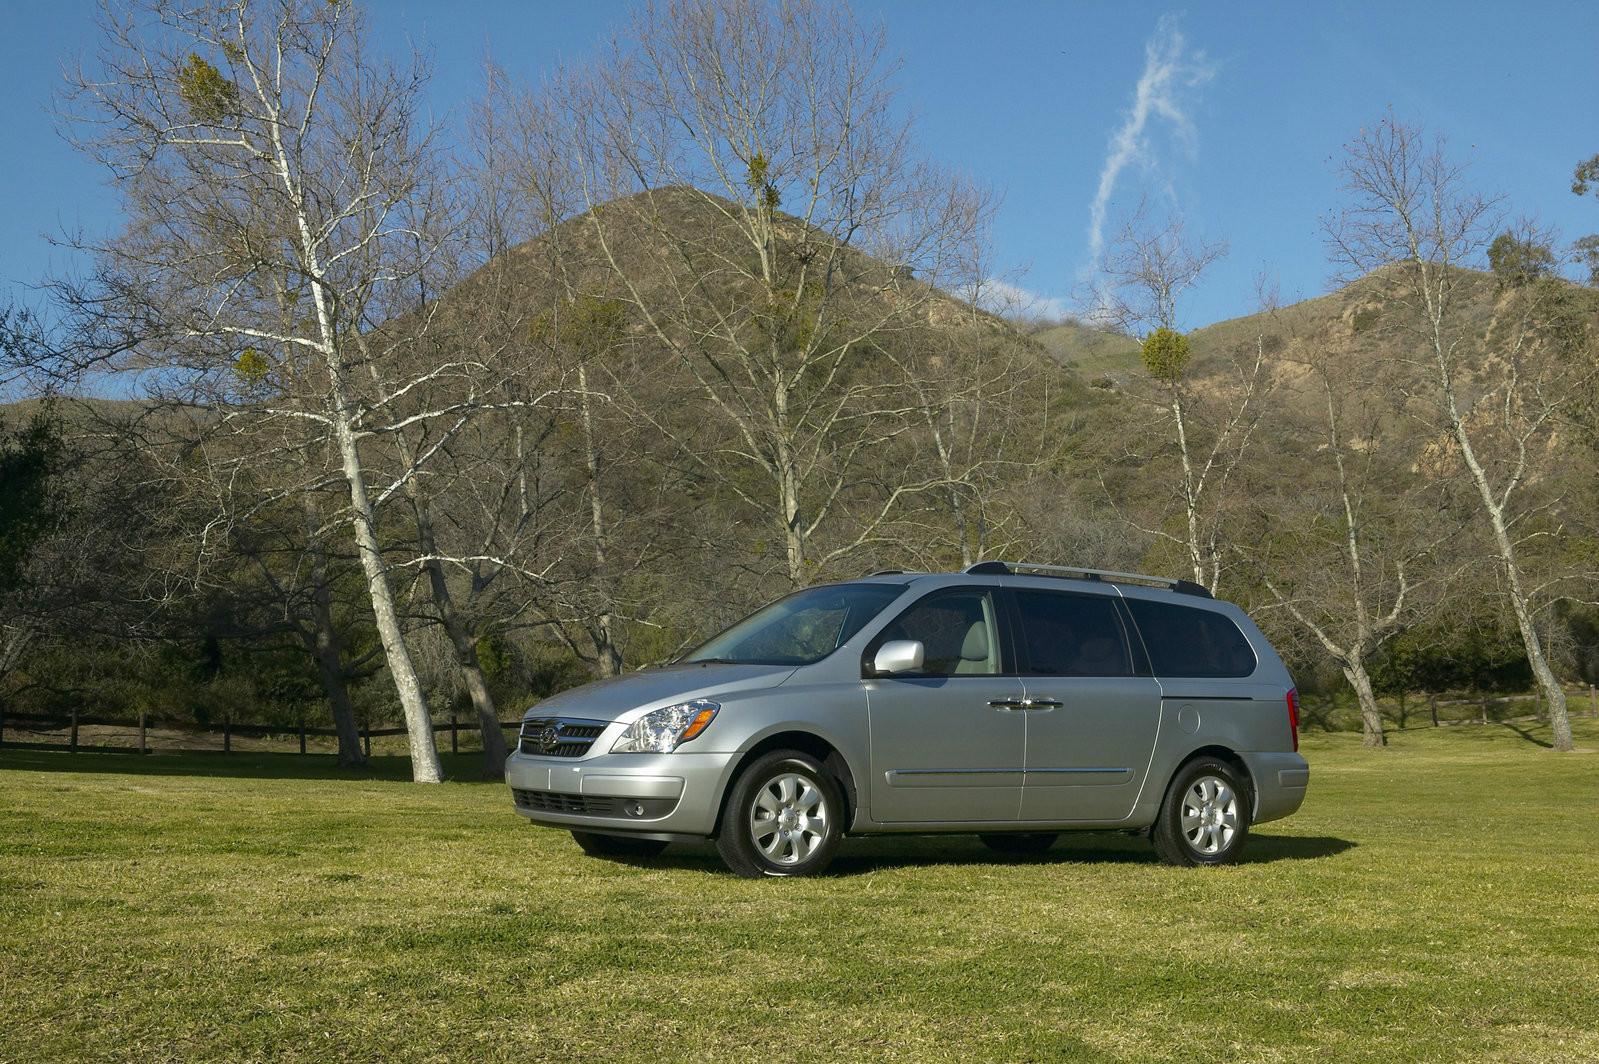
(1183, 641)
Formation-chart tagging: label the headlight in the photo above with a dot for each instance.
(660, 731)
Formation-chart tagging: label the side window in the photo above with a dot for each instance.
(1190, 642)
(1071, 635)
(956, 630)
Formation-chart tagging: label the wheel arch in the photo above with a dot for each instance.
(825, 753)
(1221, 753)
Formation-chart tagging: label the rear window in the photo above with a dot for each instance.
(1071, 635)
(1183, 641)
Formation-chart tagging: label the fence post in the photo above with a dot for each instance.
(366, 735)
(1593, 700)
(1432, 704)
(144, 722)
(74, 729)
(302, 734)
(455, 745)
(1485, 709)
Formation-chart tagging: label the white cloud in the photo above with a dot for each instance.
(1012, 301)
(1170, 77)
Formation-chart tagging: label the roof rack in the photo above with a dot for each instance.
(1184, 587)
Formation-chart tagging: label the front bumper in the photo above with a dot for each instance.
(662, 794)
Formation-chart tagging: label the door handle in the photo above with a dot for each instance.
(1042, 703)
(1009, 703)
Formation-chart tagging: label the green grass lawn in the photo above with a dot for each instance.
(1434, 901)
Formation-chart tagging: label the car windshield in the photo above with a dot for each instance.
(803, 628)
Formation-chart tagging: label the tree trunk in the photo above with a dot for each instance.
(786, 471)
(463, 642)
(326, 648)
(1553, 693)
(606, 655)
(1370, 716)
(1190, 494)
(1506, 551)
(425, 766)
(331, 670)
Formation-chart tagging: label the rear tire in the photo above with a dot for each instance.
(1205, 818)
(597, 845)
(784, 817)
(1022, 843)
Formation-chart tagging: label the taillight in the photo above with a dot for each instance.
(1293, 715)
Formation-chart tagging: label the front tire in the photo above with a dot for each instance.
(1205, 818)
(597, 845)
(784, 817)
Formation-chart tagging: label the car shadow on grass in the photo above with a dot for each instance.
(866, 855)
(1292, 848)
(862, 856)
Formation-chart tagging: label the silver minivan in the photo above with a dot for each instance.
(1014, 701)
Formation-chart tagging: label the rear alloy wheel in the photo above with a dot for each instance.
(1205, 818)
(784, 817)
(597, 845)
(1020, 843)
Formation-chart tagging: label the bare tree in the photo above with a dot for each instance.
(1348, 540)
(980, 423)
(754, 199)
(1492, 393)
(276, 179)
(575, 465)
(1150, 265)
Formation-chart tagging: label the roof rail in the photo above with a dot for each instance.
(1185, 587)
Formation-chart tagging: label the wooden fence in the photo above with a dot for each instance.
(1488, 703)
(73, 725)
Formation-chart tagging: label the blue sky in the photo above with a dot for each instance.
(1031, 98)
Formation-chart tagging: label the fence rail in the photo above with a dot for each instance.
(73, 724)
(1487, 702)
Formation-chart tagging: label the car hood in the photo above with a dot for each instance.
(610, 698)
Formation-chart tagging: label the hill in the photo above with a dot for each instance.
(664, 435)
(676, 247)
(1092, 353)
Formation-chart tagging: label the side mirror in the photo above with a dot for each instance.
(897, 655)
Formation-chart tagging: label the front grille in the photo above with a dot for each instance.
(558, 736)
(551, 802)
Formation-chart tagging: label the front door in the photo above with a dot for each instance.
(948, 741)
